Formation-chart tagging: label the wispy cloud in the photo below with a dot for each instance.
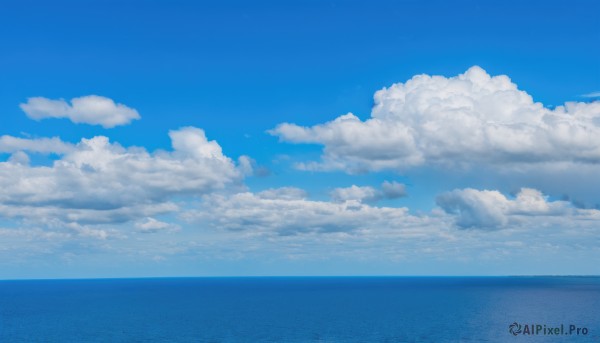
(591, 95)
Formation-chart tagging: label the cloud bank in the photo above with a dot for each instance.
(472, 118)
(91, 109)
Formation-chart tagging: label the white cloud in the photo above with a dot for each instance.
(283, 227)
(283, 193)
(10, 144)
(285, 211)
(151, 225)
(592, 95)
(56, 215)
(389, 190)
(472, 118)
(248, 225)
(489, 209)
(97, 181)
(90, 109)
(361, 194)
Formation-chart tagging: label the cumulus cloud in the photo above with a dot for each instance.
(96, 181)
(389, 190)
(91, 109)
(472, 118)
(489, 209)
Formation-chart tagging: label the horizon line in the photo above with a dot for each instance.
(299, 276)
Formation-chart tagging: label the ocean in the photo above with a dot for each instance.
(302, 309)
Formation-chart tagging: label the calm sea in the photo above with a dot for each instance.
(311, 309)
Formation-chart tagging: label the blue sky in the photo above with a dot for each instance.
(472, 174)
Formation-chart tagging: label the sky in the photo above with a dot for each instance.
(243, 138)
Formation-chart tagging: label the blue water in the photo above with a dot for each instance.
(386, 309)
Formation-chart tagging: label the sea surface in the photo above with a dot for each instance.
(299, 309)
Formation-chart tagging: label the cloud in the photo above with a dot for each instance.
(393, 190)
(469, 119)
(151, 225)
(10, 144)
(286, 211)
(361, 194)
(249, 167)
(490, 209)
(19, 157)
(96, 181)
(389, 190)
(283, 193)
(283, 224)
(91, 109)
(592, 95)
